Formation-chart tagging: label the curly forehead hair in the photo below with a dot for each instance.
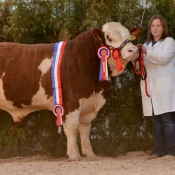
(164, 25)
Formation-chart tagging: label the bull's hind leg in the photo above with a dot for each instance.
(71, 131)
(84, 129)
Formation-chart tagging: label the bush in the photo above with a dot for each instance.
(120, 125)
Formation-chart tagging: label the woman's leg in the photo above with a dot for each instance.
(159, 147)
(168, 123)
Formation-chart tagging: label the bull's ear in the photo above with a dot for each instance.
(99, 35)
(135, 32)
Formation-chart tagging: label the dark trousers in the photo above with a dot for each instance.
(164, 125)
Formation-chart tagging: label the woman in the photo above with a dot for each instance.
(159, 50)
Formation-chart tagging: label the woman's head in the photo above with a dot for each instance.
(157, 28)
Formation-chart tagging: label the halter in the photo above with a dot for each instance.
(121, 46)
(103, 53)
(141, 70)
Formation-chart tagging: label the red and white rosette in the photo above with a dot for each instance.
(58, 111)
(116, 56)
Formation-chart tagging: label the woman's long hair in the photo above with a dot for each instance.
(164, 25)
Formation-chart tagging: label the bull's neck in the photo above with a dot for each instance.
(113, 69)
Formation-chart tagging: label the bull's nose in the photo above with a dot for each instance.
(134, 50)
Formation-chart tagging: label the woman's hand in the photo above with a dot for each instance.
(144, 49)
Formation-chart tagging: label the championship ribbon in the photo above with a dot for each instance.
(58, 109)
(103, 53)
(116, 56)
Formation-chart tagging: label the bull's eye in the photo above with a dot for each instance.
(110, 40)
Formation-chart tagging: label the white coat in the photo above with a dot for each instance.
(160, 66)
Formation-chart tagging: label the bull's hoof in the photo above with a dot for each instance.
(94, 158)
(90, 157)
(74, 159)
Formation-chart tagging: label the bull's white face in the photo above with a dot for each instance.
(115, 35)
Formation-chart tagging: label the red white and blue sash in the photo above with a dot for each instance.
(58, 109)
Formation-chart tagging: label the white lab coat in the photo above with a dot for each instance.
(160, 66)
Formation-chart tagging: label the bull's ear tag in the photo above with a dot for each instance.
(116, 56)
(103, 53)
(132, 38)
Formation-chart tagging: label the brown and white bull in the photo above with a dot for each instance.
(26, 84)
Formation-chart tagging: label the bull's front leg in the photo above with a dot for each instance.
(84, 129)
(71, 130)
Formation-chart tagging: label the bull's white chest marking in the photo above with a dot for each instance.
(88, 109)
(45, 65)
(91, 106)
